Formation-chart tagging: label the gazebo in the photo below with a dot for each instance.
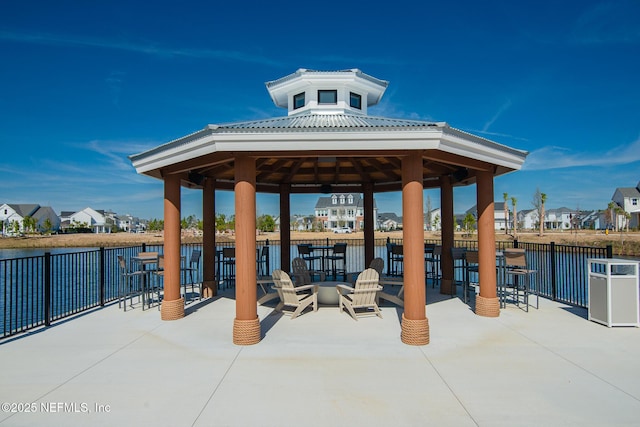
(328, 143)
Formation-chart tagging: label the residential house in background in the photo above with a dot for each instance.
(389, 221)
(499, 217)
(554, 219)
(89, 218)
(433, 220)
(342, 210)
(46, 219)
(628, 198)
(130, 224)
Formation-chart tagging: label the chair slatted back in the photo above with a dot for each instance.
(300, 271)
(283, 283)
(366, 287)
(472, 257)
(340, 249)
(195, 257)
(515, 257)
(378, 265)
(304, 249)
(228, 252)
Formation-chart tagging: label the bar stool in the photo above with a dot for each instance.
(432, 266)
(229, 263)
(515, 265)
(306, 253)
(339, 255)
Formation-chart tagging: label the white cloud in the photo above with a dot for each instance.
(553, 157)
(504, 107)
(49, 39)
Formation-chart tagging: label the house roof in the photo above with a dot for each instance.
(327, 201)
(628, 192)
(24, 209)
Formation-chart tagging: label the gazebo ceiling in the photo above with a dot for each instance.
(326, 172)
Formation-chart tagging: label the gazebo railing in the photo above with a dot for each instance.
(36, 291)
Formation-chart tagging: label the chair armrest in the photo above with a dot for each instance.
(314, 288)
(344, 289)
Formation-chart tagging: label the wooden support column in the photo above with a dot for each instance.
(448, 286)
(487, 303)
(415, 325)
(209, 284)
(369, 224)
(285, 230)
(246, 325)
(172, 307)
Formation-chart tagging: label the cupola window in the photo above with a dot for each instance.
(327, 97)
(355, 100)
(298, 100)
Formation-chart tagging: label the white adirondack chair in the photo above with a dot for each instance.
(297, 297)
(360, 300)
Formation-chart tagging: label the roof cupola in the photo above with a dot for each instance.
(326, 92)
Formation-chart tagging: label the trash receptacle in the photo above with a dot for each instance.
(613, 292)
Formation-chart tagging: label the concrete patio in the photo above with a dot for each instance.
(547, 367)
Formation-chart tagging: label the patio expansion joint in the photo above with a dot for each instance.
(571, 362)
(453, 393)
(215, 389)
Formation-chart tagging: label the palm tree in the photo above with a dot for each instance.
(505, 196)
(612, 206)
(543, 199)
(514, 201)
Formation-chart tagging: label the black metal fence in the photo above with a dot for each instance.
(36, 291)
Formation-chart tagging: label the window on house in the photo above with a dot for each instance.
(355, 100)
(342, 200)
(298, 100)
(327, 97)
(350, 199)
(334, 200)
(634, 202)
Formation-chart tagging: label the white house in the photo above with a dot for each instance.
(499, 216)
(629, 200)
(12, 214)
(90, 218)
(342, 210)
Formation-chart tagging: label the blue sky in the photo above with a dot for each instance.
(85, 84)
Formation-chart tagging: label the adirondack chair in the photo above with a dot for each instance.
(302, 274)
(297, 297)
(360, 300)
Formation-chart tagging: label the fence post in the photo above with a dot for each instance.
(609, 251)
(515, 244)
(553, 271)
(101, 276)
(144, 247)
(267, 262)
(47, 288)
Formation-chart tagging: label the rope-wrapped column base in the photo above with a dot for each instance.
(415, 332)
(172, 310)
(487, 307)
(246, 332)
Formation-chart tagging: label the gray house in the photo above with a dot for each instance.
(628, 198)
